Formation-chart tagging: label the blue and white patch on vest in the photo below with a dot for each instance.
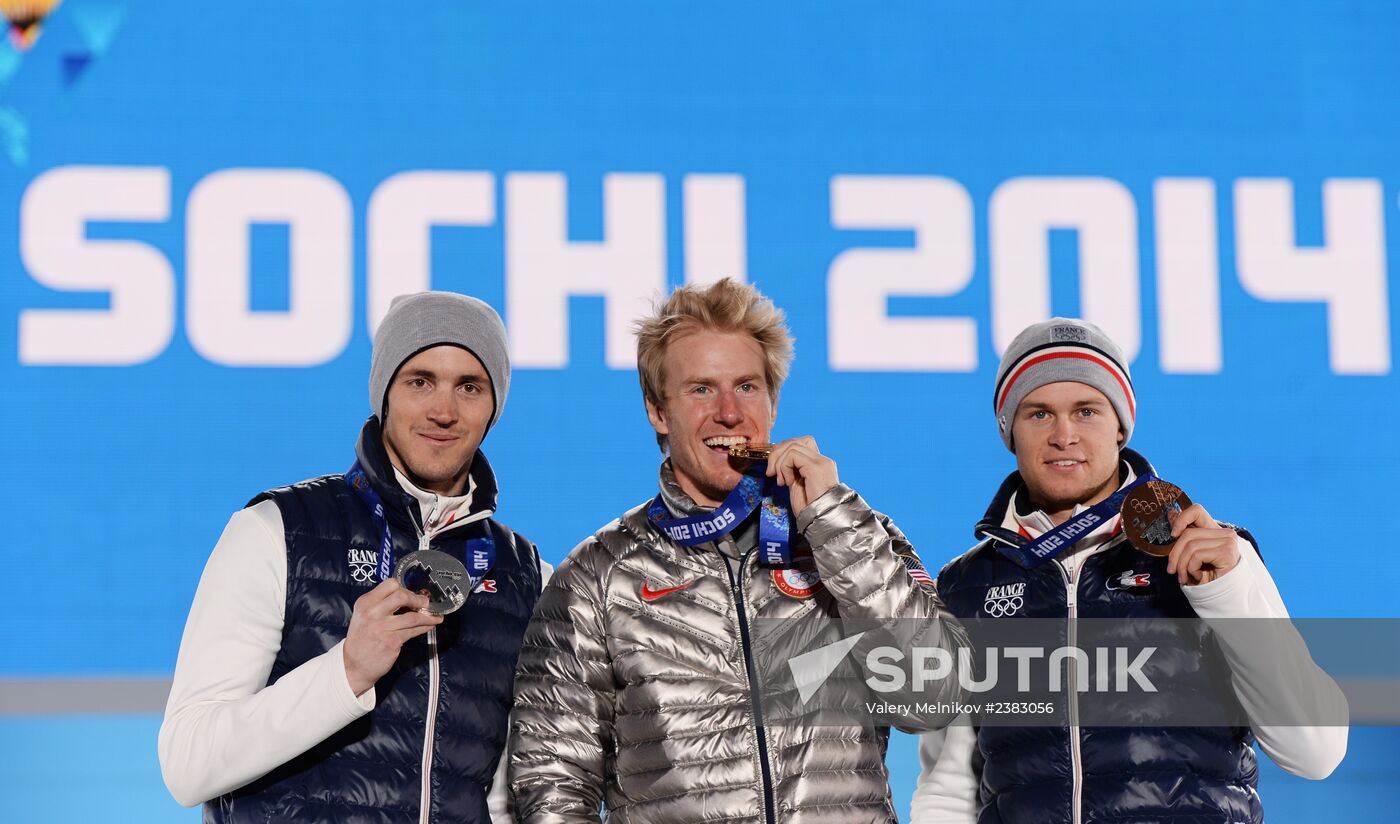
(363, 563)
(1005, 600)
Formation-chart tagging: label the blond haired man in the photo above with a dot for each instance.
(639, 687)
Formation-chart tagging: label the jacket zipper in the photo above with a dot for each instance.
(736, 586)
(1072, 680)
(430, 727)
(425, 797)
(1072, 687)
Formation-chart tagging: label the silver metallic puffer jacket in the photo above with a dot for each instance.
(644, 704)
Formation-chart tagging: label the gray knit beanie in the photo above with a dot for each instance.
(1063, 349)
(427, 319)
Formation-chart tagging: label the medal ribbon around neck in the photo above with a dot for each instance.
(481, 552)
(1033, 554)
(755, 490)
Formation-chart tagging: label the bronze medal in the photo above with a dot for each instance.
(1146, 516)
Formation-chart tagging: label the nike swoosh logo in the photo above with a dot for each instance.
(649, 594)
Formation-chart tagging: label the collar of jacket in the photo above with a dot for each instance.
(676, 500)
(990, 527)
(400, 507)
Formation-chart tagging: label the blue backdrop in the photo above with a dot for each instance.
(204, 208)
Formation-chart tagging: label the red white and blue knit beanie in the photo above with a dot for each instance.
(1063, 349)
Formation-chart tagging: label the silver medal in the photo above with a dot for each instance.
(439, 576)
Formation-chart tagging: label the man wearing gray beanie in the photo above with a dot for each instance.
(312, 685)
(1053, 547)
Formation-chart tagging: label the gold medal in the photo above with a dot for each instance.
(1147, 519)
(751, 451)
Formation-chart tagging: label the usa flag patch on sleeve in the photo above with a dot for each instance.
(915, 568)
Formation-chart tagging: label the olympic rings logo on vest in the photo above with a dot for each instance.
(1004, 601)
(363, 564)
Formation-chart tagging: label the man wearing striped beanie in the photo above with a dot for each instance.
(1071, 364)
(1065, 406)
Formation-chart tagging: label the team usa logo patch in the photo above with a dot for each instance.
(799, 582)
(1130, 580)
(1004, 601)
(363, 563)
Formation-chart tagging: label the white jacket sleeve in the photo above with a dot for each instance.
(947, 788)
(224, 727)
(1272, 673)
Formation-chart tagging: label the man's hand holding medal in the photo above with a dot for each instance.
(383, 620)
(1204, 549)
(1161, 520)
(796, 463)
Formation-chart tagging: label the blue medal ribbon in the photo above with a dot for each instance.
(755, 490)
(359, 482)
(481, 556)
(1034, 553)
(481, 552)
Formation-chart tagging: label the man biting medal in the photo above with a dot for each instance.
(639, 687)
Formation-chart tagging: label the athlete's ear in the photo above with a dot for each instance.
(657, 415)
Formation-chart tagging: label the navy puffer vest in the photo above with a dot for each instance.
(1142, 773)
(372, 769)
